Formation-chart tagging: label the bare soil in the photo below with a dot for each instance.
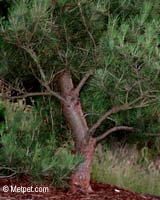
(101, 192)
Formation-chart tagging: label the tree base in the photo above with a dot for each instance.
(80, 180)
(81, 189)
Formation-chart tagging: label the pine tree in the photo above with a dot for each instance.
(114, 45)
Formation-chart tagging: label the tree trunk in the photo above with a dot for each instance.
(81, 177)
(84, 145)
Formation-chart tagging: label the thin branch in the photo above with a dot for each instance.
(7, 168)
(9, 176)
(44, 81)
(114, 129)
(115, 109)
(85, 24)
(55, 94)
(45, 84)
(82, 82)
(127, 106)
(10, 87)
(153, 134)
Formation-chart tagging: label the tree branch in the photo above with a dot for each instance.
(127, 106)
(82, 82)
(9, 176)
(43, 80)
(152, 134)
(85, 24)
(115, 109)
(55, 94)
(114, 129)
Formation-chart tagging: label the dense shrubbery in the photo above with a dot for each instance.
(27, 148)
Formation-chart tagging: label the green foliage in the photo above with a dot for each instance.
(65, 163)
(24, 150)
(30, 32)
(119, 40)
(55, 38)
(129, 49)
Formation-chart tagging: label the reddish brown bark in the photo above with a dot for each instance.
(84, 141)
(81, 177)
(72, 110)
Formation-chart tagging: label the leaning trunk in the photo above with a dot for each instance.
(82, 176)
(84, 145)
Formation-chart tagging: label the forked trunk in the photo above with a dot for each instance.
(84, 145)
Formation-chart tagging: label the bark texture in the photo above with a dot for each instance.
(82, 176)
(84, 145)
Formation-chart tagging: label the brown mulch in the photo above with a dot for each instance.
(101, 192)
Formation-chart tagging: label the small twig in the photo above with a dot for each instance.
(85, 24)
(153, 134)
(9, 176)
(82, 82)
(44, 81)
(91, 114)
(10, 87)
(114, 129)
